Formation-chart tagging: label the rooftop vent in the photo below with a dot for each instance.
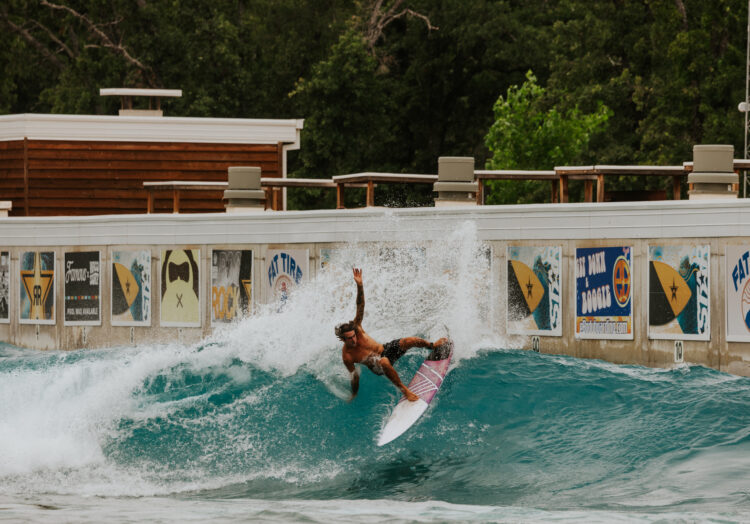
(154, 99)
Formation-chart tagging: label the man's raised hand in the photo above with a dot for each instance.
(357, 275)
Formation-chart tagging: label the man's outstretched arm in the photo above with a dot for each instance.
(360, 297)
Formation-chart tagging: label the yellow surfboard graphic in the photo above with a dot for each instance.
(127, 282)
(530, 285)
(676, 290)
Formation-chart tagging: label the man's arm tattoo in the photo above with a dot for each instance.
(360, 304)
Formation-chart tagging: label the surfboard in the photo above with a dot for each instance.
(425, 384)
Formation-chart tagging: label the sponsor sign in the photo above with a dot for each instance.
(285, 269)
(737, 293)
(131, 288)
(604, 287)
(82, 271)
(534, 305)
(231, 285)
(679, 292)
(4, 287)
(36, 302)
(180, 288)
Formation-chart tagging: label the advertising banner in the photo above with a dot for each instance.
(82, 289)
(4, 287)
(679, 292)
(131, 288)
(737, 292)
(604, 286)
(285, 269)
(36, 302)
(534, 289)
(231, 285)
(327, 257)
(180, 288)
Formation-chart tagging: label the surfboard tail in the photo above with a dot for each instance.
(442, 352)
(404, 415)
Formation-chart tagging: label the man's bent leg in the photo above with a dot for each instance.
(415, 342)
(393, 377)
(407, 343)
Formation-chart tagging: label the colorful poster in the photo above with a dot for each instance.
(4, 287)
(285, 270)
(327, 254)
(131, 288)
(231, 285)
(37, 290)
(679, 292)
(534, 290)
(180, 288)
(82, 289)
(737, 292)
(604, 285)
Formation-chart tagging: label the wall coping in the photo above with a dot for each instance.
(586, 221)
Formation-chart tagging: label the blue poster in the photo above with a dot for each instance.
(604, 287)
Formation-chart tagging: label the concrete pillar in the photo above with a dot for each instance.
(244, 193)
(713, 173)
(456, 185)
(5, 207)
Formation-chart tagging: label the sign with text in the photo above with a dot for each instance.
(231, 284)
(4, 287)
(604, 286)
(82, 288)
(131, 288)
(737, 292)
(534, 305)
(679, 305)
(285, 269)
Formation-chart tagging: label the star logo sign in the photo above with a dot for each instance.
(37, 283)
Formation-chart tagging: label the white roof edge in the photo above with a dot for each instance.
(110, 128)
(129, 91)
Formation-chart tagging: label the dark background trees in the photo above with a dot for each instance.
(390, 85)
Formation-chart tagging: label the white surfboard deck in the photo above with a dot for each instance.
(403, 416)
(425, 384)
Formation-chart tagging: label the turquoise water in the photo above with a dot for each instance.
(513, 435)
(253, 424)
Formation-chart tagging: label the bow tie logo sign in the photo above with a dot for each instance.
(180, 304)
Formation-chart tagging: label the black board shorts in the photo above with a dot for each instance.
(392, 350)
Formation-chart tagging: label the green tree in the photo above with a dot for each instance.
(347, 115)
(528, 134)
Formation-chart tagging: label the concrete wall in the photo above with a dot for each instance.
(716, 223)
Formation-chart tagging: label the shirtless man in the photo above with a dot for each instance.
(361, 348)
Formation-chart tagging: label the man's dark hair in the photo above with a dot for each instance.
(344, 328)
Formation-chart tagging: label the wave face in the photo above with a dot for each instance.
(259, 412)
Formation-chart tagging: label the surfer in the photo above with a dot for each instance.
(361, 348)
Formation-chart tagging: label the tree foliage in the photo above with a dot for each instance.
(528, 134)
(391, 85)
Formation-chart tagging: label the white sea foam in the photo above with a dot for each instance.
(57, 414)
(411, 289)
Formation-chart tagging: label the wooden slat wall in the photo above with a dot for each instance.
(11, 175)
(93, 178)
